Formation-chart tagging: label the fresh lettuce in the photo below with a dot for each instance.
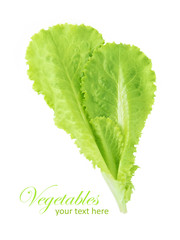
(101, 95)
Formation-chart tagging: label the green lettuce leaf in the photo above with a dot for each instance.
(109, 140)
(56, 58)
(118, 83)
(101, 95)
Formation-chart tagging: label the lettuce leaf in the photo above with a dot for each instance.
(118, 83)
(101, 95)
(109, 140)
(56, 58)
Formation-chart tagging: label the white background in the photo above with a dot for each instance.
(35, 152)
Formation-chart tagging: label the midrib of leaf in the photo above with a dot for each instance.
(120, 112)
(121, 109)
(122, 98)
